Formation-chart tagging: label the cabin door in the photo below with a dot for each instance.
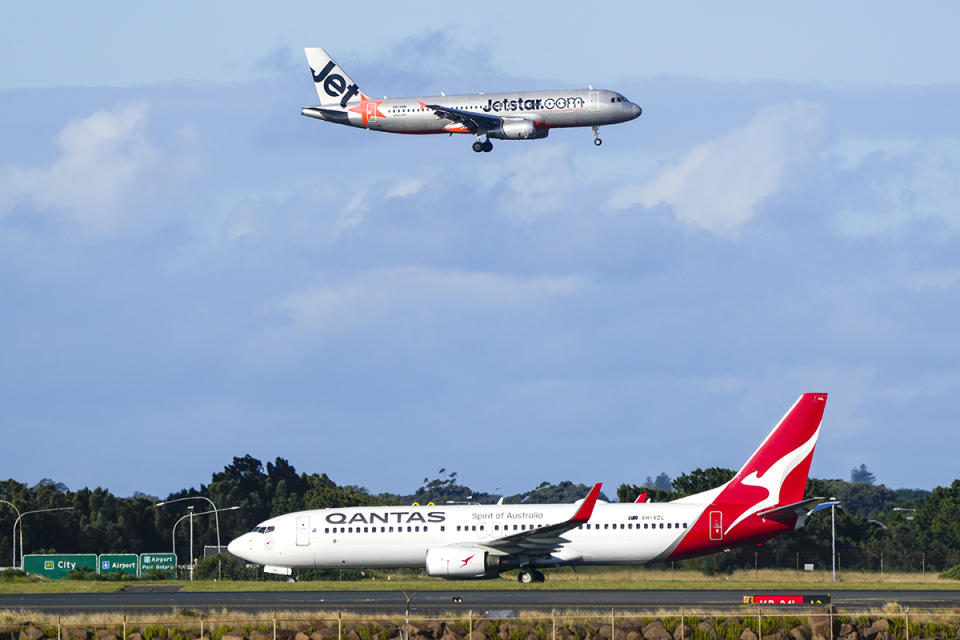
(303, 531)
(716, 525)
(593, 101)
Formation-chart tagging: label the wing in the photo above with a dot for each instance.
(476, 122)
(547, 539)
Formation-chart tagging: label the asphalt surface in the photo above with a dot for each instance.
(429, 602)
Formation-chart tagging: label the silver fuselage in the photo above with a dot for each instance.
(547, 109)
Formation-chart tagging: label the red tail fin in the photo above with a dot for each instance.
(781, 464)
(775, 475)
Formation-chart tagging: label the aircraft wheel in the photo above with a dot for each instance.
(525, 576)
(597, 141)
(538, 576)
(478, 146)
(488, 146)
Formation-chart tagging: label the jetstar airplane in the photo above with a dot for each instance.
(519, 115)
(763, 499)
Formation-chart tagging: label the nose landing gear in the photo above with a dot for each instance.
(596, 136)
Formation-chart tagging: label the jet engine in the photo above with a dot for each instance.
(519, 129)
(461, 562)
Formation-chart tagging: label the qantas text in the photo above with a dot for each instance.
(386, 517)
(531, 104)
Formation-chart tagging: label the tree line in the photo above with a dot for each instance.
(908, 529)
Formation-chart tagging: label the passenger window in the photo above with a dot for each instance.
(496, 527)
(514, 527)
(417, 529)
(458, 527)
(424, 528)
(326, 529)
(443, 528)
(481, 527)
(661, 525)
(409, 529)
(365, 530)
(668, 525)
(605, 525)
(630, 525)
(391, 529)
(684, 525)
(646, 525)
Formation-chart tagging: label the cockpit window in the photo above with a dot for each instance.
(262, 529)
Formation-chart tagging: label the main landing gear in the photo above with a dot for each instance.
(596, 136)
(485, 145)
(528, 576)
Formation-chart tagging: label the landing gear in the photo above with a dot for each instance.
(528, 576)
(485, 145)
(596, 136)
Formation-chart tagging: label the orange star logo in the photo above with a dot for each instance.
(367, 109)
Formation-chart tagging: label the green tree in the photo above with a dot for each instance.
(700, 480)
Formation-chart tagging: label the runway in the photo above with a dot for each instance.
(451, 600)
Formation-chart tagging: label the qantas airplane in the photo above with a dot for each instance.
(519, 115)
(763, 499)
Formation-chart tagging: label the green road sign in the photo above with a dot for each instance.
(122, 562)
(56, 565)
(165, 562)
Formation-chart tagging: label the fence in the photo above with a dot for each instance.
(745, 623)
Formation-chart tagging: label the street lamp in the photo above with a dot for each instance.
(216, 517)
(20, 520)
(190, 515)
(832, 503)
(13, 553)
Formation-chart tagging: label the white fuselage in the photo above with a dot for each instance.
(369, 537)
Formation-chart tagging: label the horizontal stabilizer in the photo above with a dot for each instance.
(790, 514)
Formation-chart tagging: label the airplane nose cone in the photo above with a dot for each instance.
(636, 110)
(234, 547)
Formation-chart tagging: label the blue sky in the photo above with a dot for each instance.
(192, 271)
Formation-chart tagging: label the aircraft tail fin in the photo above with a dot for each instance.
(766, 494)
(334, 86)
(781, 464)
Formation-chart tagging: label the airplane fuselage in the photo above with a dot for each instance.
(371, 537)
(545, 109)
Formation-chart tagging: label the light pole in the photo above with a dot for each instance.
(215, 517)
(833, 538)
(832, 503)
(190, 515)
(190, 509)
(13, 537)
(26, 513)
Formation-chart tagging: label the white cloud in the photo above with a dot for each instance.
(719, 185)
(354, 212)
(101, 159)
(539, 181)
(907, 185)
(405, 187)
(411, 305)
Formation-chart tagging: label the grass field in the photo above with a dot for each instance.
(564, 578)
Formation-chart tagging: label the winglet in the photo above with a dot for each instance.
(641, 498)
(586, 508)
